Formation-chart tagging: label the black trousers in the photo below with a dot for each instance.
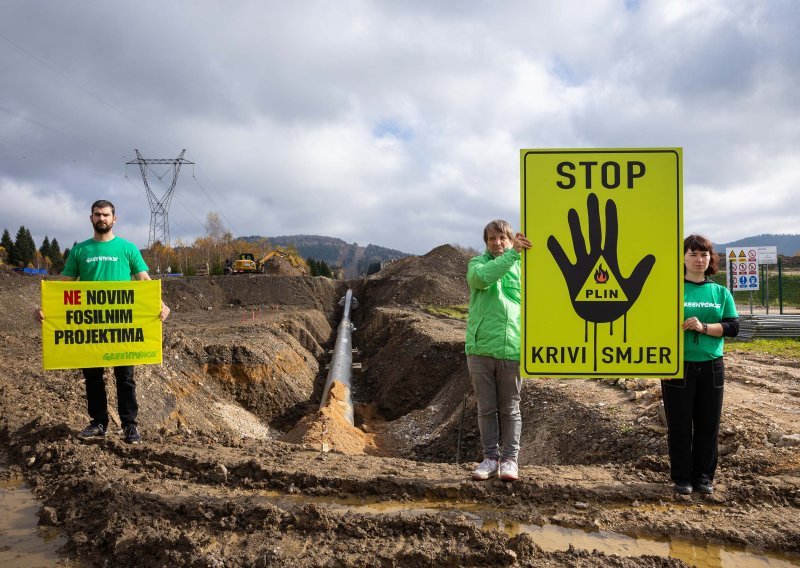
(127, 407)
(694, 406)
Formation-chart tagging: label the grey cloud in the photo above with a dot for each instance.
(404, 119)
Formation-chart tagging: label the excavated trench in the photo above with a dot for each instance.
(415, 377)
(262, 374)
(412, 394)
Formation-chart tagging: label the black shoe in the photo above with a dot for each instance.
(132, 435)
(705, 486)
(94, 431)
(683, 488)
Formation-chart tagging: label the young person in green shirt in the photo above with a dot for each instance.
(694, 404)
(493, 345)
(106, 257)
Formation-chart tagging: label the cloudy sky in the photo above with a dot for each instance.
(392, 123)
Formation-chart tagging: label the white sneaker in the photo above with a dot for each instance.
(508, 470)
(486, 469)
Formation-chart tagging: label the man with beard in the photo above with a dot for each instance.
(106, 257)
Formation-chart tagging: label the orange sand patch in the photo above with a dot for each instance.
(328, 428)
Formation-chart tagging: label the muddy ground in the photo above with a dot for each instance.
(238, 468)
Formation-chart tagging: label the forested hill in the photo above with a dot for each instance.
(787, 245)
(354, 258)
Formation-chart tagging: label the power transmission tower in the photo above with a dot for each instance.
(159, 208)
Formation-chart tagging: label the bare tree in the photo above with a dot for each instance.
(215, 230)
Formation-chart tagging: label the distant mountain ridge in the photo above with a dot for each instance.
(786, 244)
(353, 258)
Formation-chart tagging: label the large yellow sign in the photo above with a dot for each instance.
(100, 324)
(603, 280)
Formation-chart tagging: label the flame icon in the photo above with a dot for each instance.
(600, 275)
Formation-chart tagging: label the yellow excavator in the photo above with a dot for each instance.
(244, 264)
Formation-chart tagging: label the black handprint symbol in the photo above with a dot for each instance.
(576, 275)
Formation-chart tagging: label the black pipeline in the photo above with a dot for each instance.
(341, 368)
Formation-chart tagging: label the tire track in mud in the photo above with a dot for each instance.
(190, 503)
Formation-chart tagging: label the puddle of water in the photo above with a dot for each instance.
(553, 538)
(23, 544)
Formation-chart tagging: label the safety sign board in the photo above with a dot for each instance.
(100, 324)
(603, 281)
(767, 255)
(742, 268)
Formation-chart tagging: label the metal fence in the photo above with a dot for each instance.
(779, 287)
(768, 326)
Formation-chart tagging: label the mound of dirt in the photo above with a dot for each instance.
(281, 266)
(187, 294)
(437, 278)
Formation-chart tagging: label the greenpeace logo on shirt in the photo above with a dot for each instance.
(102, 259)
(701, 305)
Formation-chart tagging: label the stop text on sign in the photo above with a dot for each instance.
(609, 174)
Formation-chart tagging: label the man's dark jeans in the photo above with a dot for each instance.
(127, 407)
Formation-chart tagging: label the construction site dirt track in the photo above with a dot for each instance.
(239, 467)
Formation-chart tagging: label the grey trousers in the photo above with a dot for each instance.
(497, 384)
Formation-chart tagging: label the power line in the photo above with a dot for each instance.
(159, 208)
(38, 156)
(200, 222)
(48, 127)
(197, 181)
(71, 80)
(104, 102)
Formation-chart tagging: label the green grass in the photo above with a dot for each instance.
(788, 347)
(454, 312)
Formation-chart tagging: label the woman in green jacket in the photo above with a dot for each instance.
(493, 345)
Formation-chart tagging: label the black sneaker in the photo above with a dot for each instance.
(94, 431)
(132, 435)
(683, 488)
(704, 486)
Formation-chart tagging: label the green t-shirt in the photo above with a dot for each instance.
(114, 260)
(710, 303)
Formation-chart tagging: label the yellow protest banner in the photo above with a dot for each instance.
(100, 324)
(603, 280)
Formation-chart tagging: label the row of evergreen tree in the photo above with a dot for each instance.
(22, 251)
(319, 268)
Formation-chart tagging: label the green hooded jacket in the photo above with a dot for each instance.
(493, 324)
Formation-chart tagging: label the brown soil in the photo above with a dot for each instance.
(282, 266)
(328, 429)
(239, 467)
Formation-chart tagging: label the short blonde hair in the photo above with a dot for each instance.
(498, 226)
